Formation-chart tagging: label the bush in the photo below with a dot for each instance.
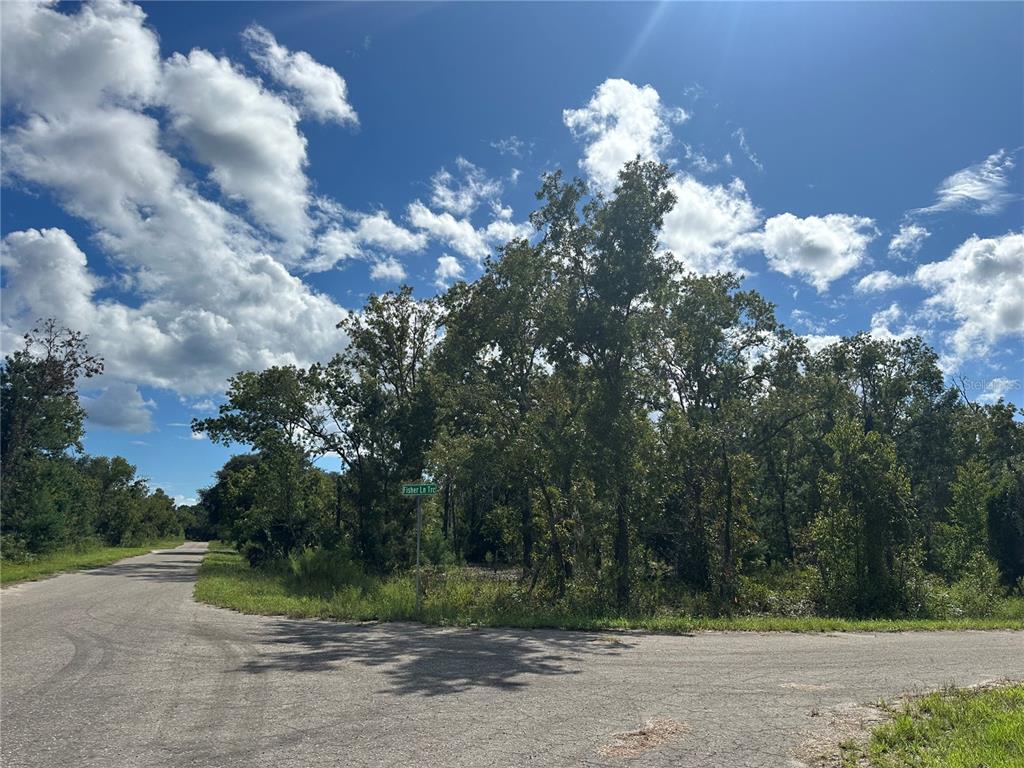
(324, 571)
(978, 592)
(780, 592)
(437, 550)
(14, 549)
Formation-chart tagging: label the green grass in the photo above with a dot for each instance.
(952, 729)
(455, 598)
(74, 560)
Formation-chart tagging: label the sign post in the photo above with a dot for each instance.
(419, 530)
(419, 490)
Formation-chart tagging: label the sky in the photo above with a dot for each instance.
(205, 188)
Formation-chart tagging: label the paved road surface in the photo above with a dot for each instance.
(118, 667)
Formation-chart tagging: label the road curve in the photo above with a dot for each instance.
(119, 667)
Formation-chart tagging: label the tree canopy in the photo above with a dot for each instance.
(52, 495)
(624, 432)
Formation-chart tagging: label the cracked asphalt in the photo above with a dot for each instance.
(119, 667)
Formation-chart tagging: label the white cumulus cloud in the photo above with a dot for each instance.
(817, 342)
(56, 63)
(448, 270)
(321, 92)
(47, 275)
(208, 292)
(458, 234)
(997, 389)
(620, 122)
(819, 249)
(879, 282)
(908, 241)
(120, 406)
(247, 135)
(371, 234)
(389, 269)
(981, 287)
(707, 224)
(883, 321)
(461, 195)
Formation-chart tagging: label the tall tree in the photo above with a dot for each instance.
(40, 419)
(492, 358)
(865, 531)
(615, 285)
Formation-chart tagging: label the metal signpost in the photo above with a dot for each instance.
(419, 490)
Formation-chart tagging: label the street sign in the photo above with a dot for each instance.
(419, 489)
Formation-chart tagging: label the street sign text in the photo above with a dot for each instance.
(419, 489)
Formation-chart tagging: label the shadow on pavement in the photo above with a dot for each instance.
(427, 660)
(181, 571)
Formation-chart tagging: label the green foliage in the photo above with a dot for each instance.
(271, 505)
(625, 437)
(323, 571)
(781, 592)
(865, 525)
(463, 597)
(951, 729)
(371, 405)
(978, 590)
(612, 436)
(86, 554)
(52, 499)
(965, 535)
(1006, 522)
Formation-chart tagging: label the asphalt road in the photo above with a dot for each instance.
(119, 667)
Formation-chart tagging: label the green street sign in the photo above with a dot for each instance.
(419, 489)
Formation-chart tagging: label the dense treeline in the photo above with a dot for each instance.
(628, 433)
(52, 495)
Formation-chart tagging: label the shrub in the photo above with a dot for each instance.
(978, 592)
(14, 549)
(780, 592)
(324, 571)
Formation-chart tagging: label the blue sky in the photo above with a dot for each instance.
(207, 187)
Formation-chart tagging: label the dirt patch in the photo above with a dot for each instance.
(850, 723)
(610, 640)
(653, 734)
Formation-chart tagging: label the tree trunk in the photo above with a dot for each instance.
(555, 549)
(727, 590)
(622, 584)
(526, 508)
(337, 504)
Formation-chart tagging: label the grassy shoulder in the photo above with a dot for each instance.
(951, 729)
(458, 598)
(74, 560)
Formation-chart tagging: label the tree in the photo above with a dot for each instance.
(40, 419)
(1005, 509)
(120, 495)
(232, 494)
(489, 365)
(372, 406)
(377, 407)
(966, 531)
(615, 285)
(715, 354)
(628, 434)
(865, 531)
